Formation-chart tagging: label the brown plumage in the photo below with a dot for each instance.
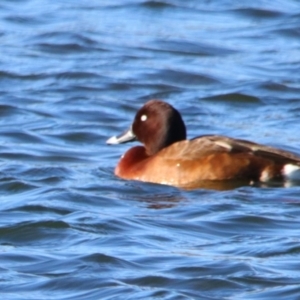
(168, 158)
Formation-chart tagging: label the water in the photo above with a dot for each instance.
(72, 74)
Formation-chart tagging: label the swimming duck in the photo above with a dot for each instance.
(167, 157)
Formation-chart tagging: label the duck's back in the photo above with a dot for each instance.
(214, 157)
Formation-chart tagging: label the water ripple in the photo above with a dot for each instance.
(73, 74)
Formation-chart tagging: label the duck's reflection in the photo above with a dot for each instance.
(158, 196)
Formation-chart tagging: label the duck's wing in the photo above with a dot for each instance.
(214, 144)
(264, 151)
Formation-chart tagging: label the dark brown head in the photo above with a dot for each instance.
(157, 125)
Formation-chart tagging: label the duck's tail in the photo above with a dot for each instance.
(291, 171)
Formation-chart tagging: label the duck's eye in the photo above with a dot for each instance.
(144, 118)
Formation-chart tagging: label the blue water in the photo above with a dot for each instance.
(72, 74)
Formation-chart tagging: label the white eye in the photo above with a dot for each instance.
(143, 118)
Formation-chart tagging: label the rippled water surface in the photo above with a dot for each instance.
(72, 74)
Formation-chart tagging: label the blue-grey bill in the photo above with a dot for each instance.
(127, 136)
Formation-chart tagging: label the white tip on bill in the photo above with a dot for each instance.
(112, 141)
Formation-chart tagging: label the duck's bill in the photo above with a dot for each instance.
(127, 136)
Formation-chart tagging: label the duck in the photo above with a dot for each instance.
(167, 157)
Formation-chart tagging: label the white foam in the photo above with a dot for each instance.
(291, 172)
